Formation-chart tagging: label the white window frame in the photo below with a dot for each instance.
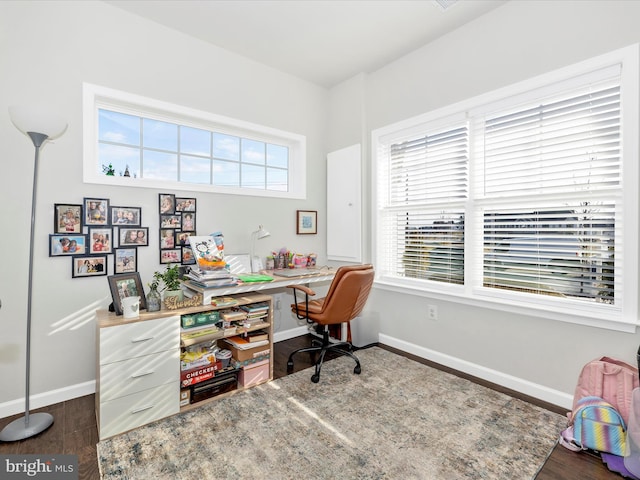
(621, 317)
(97, 97)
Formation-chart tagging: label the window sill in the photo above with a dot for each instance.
(455, 295)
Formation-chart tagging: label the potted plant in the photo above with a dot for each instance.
(171, 280)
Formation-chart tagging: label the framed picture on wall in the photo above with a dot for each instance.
(100, 240)
(167, 203)
(96, 211)
(307, 222)
(126, 216)
(61, 245)
(125, 260)
(89, 266)
(185, 204)
(67, 218)
(133, 236)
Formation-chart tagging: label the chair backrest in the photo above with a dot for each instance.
(347, 294)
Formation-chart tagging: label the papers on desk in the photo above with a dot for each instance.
(211, 278)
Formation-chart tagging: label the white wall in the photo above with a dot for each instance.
(47, 49)
(516, 41)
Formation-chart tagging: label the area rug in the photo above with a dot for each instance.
(398, 419)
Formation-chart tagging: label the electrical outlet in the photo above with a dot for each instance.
(432, 312)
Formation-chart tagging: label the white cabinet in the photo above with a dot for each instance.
(138, 368)
(344, 205)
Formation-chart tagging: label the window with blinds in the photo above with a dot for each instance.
(521, 199)
(424, 216)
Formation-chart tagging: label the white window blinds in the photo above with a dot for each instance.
(526, 196)
(427, 185)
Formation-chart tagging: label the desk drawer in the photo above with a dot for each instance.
(138, 339)
(142, 373)
(132, 411)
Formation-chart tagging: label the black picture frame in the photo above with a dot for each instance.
(182, 238)
(167, 238)
(125, 260)
(172, 220)
(83, 266)
(97, 245)
(171, 255)
(96, 211)
(126, 285)
(188, 222)
(126, 239)
(166, 203)
(67, 218)
(185, 204)
(187, 257)
(131, 216)
(63, 246)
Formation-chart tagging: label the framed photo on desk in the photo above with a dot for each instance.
(306, 222)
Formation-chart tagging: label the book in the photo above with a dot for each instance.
(224, 301)
(257, 336)
(242, 343)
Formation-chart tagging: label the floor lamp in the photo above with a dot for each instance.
(39, 126)
(257, 235)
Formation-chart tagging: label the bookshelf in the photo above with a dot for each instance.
(139, 375)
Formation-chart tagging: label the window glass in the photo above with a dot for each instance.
(252, 176)
(226, 147)
(118, 127)
(253, 152)
(277, 156)
(195, 169)
(226, 174)
(277, 179)
(160, 165)
(195, 141)
(159, 135)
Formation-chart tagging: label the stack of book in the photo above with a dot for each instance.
(256, 313)
(211, 278)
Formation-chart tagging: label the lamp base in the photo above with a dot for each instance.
(19, 430)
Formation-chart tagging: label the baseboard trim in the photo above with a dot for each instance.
(531, 389)
(291, 333)
(40, 400)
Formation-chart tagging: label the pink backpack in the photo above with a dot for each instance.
(610, 379)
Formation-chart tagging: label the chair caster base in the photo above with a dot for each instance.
(315, 378)
(357, 370)
(289, 366)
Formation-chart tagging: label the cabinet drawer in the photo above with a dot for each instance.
(132, 411)
(138, 339)
(141, 373)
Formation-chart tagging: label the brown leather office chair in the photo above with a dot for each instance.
(344, 301)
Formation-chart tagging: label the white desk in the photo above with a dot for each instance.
(323, 275)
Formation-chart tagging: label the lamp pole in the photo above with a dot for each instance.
(29, 425)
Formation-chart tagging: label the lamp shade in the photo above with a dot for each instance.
(33, 119)
(262, 233)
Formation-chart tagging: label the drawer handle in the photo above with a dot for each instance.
(142, 409)
(138, 340)
(142, 374)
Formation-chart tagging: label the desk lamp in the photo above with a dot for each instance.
(257, 235)
(39, 126)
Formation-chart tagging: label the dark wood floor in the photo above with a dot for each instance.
(74, 430)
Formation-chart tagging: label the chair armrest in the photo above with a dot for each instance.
(304, 288)
(307, 293)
